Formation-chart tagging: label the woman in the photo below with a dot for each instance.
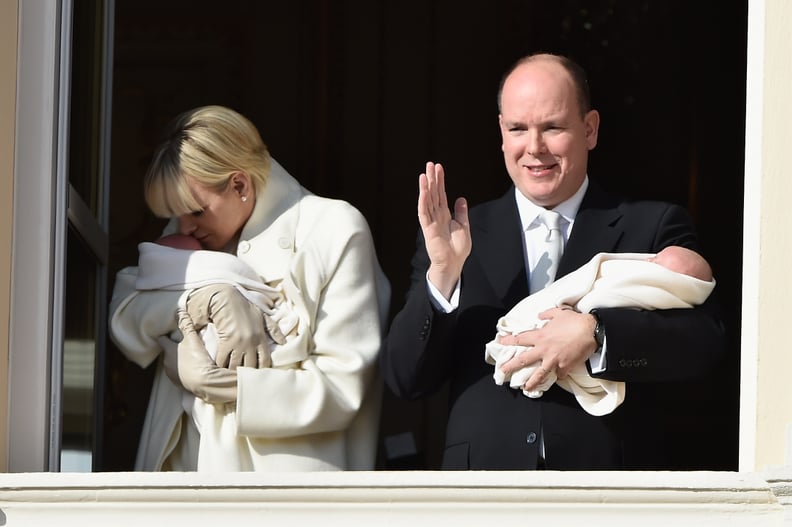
(313, 404)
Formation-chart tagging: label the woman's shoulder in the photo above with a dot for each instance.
(329, 228)
(330, 213)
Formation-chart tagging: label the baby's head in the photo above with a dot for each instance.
(685, 261)
(180, 241)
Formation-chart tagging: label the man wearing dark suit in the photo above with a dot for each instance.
(470, 269)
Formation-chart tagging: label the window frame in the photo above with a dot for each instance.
(45, 205)
(39, 226)
(39, 221)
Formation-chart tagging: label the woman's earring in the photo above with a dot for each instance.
(244, 199)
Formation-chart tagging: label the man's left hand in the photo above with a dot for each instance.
(565, 340)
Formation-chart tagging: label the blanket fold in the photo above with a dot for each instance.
(166, 268)
(607, 280)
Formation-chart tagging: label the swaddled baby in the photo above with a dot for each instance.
(675, 277)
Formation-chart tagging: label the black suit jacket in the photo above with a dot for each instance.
(493, 427)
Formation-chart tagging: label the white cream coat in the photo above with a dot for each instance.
(317, 408)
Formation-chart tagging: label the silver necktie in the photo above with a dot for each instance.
(545, 270)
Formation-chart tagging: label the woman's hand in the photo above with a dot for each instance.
(241, 335)
(194, 368)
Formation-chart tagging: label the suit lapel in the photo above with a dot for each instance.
(498, 245)
(498, 249)
(597, 229)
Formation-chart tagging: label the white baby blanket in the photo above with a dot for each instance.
(161, 267)
(607, 280)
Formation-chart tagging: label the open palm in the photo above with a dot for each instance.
(447, 238)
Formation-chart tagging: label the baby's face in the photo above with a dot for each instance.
(180, 241)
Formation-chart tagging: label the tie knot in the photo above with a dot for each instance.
(551, 219)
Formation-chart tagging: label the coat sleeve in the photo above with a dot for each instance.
(416, 356)
(137, 318)
(666, 344)
(342, 297)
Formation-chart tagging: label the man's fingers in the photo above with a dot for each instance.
(518, 362)
(461, 213)
(424, 214)
(431, 189)
(442, 200)
(513, 340)
(436, 187)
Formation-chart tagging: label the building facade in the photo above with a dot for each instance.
(43, 208)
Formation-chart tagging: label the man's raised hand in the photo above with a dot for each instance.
(448, 241)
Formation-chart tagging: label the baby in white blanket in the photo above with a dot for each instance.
(213, 267)
(177, 262)
(673, 278)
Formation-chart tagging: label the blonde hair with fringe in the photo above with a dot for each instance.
(207, 145)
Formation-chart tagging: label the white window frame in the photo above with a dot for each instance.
(418, 498)
(44, 205)
(38, 237)
(39, 231)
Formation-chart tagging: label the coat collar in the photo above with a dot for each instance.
(268, 239)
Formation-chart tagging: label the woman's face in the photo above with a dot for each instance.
(218, 225)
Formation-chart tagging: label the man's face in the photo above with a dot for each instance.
(545, 139)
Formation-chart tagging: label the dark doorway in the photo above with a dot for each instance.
(354, 97)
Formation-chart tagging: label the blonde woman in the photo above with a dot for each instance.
(311, 404)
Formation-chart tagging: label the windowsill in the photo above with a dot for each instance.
(396, 498)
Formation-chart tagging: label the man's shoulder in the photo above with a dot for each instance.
(598, 198)
(641, 211)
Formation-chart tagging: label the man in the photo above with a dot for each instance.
(469, 270)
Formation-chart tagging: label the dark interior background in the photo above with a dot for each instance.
(353, 97)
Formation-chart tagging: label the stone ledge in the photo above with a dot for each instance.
(391, 498)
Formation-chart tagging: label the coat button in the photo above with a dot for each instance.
(244, 246)
(425, 328)
(284, 243)
(531, 439)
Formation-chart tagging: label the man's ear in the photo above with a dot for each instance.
(500, 126)
(591, 121)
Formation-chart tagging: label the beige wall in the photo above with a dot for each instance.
(8, 56)
(765, 410)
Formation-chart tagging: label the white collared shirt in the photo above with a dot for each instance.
(533, 229)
